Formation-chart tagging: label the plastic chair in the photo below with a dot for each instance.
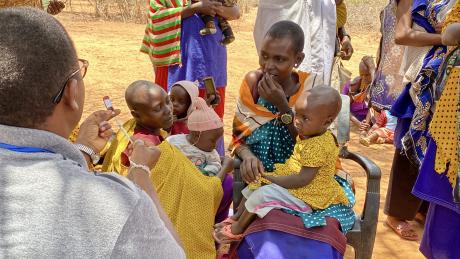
(362, 236)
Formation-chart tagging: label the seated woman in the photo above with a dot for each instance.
(264, 134)
(189, 198)
(357, 90)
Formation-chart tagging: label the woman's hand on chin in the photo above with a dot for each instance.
(251, 169)
(273, 92)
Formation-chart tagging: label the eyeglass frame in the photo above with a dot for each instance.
(57, 98)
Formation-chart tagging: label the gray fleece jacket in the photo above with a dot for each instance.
(50, 207)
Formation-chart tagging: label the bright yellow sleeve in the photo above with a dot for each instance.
(313, 153)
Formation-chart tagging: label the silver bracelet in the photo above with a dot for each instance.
(143, 167)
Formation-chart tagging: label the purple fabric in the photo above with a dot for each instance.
(441, 237)
(222, 211)
(358, 109)
(434, 187)
(276, 244)
(202, 56)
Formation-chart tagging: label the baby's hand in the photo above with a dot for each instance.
(227, 164)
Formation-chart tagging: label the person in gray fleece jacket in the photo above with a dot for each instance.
(51, 205)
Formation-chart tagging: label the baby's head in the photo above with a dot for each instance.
(149, 104)
(205, 126)
(315, 110)
(182, 93)
(282, 50)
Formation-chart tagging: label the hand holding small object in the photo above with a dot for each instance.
(95, 131)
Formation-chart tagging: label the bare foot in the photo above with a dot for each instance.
(365, 141)
(402, 228)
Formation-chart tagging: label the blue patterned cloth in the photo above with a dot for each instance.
(271, 143)
(416, 137)
(343, 213)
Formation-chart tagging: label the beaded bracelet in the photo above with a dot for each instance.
(143, 167)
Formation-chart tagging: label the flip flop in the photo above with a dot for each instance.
(225, 222)
(226, 231)
(403, 230)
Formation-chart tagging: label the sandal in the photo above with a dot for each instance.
(225, 222)
(404, 230)
(226, 232)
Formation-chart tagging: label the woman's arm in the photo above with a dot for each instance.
(229, 12)
(306, 175)
(405, 35)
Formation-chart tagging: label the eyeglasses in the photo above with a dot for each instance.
(83, 67)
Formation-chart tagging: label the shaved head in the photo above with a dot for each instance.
(316, 109)
(324, 98)
(150, 105)
(140, 94)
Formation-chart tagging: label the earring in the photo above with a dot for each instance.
(296, 65)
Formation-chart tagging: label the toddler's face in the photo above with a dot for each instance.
(208, 139)
(309, 120)
(180, 100)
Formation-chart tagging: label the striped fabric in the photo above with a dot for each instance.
(162, 33)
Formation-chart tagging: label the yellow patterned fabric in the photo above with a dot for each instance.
(319, 152)
(453, 16)
(189, 198)
(444, 127)
(73, 136)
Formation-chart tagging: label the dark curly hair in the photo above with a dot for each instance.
(37, 56)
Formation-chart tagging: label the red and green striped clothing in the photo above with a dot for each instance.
(163, 31)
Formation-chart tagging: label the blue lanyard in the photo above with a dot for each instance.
(21, 149)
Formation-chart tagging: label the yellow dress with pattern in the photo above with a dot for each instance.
(318, 152)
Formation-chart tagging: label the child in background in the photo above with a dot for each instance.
(206, 128)
(306, 180)
(182, 94)
(357, 90)
(382, 131)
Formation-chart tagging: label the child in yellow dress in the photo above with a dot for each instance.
(306, 180)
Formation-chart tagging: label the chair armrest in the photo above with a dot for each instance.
(373, 174)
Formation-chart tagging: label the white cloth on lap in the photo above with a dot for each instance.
(272, 196)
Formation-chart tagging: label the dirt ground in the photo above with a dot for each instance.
(115, 61)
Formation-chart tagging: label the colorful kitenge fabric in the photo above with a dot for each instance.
(343, 213)
(417, 96)
(387, 84)
(271, 143)
(250, 114)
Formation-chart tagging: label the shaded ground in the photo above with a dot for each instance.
(115, 61)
